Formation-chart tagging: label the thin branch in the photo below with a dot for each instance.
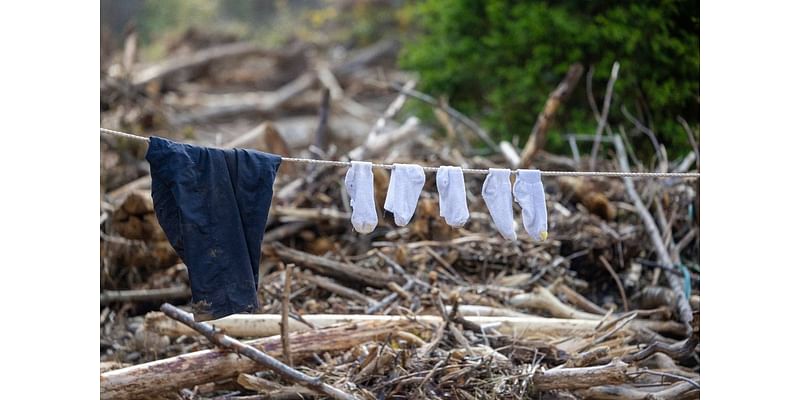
(618, 282)
(648, 132)
(287, 290)
(667, 374)
(692, 140)
(472, 125)
(604, 115)
(254, 354)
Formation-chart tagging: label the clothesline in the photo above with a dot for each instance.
(683, 175)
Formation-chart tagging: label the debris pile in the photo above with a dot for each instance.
(421, 311)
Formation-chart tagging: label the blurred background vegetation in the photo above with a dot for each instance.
(494, 60)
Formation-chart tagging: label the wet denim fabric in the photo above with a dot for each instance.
(213, 206)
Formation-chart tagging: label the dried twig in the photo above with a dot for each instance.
(614, 275)
(285, 303)
(604, 116)
(472, 125)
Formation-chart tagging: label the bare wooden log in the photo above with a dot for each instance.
(542, 299)
(198, 59)
(675, 282)
(333, 268)
(379, 144)
(612, 373)
(225, 105)
(187, 370)
(256, 355)
(258, 325)
(537, 137)
(144, 295)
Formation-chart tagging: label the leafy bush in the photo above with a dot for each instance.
(499, 59)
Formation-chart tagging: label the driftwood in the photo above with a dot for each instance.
(379, 144)
(221, 106)
(336, 288)
(333, 268)
(143, 295)
(194, 60)
(256, 325)
(612, 373)
(537, 137)
(542, 299)
(256, 355)
(187, 370)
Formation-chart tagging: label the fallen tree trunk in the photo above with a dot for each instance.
(255, 325)
(187, 370)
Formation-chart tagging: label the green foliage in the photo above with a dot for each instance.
(499, 59)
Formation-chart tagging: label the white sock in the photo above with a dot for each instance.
(497, 195)
(358, 182)
(529, 193)
(405, 185)
(452, 196)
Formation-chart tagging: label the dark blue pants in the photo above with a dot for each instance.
(213, 206)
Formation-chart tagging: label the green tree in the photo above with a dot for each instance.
(497, 60)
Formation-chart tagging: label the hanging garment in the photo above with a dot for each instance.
(529, 193)
(213, 206)
(405, 186)
(358, 182)
(497, 195)
(452, 196)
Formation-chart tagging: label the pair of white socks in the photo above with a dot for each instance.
(405, 187)
(528, 192)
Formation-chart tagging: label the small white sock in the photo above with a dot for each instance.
(405, 185)
(452, 196)
(358, 182)
(497, 195)
(529, 193)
